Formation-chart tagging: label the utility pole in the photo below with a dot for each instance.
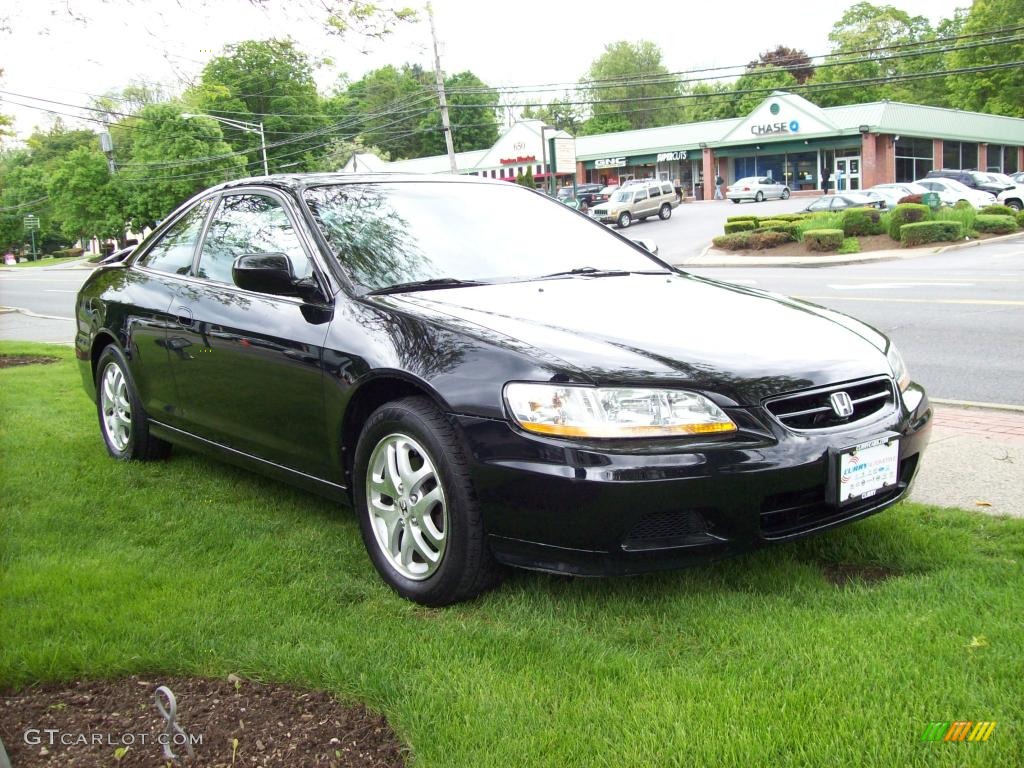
(446, 126)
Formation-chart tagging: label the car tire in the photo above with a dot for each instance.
(1015, 204)
(123, 423)
(759, 197)
(785, 194)
(435, 554)
(736, 200)
(665, 213)
(625, 220)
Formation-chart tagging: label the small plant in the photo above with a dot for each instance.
(997, 210)
(915, 199)
(997, 225)
(963, 204)
(823, 239)
(738, 241)
(818, 221)
(789, 228)
(742, 218)
(850, 245)
(739, 226)
(1020, 219)
(859, 222)
(769, 239)
(923, 232)
(907, 213)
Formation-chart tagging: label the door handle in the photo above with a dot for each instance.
(184, 315)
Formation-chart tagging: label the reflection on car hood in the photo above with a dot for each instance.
(671, 329)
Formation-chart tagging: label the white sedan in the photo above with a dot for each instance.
(757, 188)
(975, 197)
(904, 188)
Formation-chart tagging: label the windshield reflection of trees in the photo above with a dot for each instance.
(367, 235)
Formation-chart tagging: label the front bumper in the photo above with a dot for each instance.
(557, 506)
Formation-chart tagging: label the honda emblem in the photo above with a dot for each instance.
(841, 404)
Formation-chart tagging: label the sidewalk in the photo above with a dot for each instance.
(712, 257)
(19, 325)
(975, 461)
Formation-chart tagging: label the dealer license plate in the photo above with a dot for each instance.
(866, 469)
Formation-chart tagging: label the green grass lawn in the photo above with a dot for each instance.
(193, 567)
(46, 262)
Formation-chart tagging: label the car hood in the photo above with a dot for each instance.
(739, 342)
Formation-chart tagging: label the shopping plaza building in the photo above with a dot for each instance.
(786, 138)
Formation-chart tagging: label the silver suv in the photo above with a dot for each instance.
(637, 201)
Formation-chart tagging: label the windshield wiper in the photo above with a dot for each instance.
(595, 272)
(425, 285)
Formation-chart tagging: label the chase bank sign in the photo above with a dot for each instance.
(766, 129)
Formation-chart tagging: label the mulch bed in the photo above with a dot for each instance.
(9, 361)
(275, 725)
(841, 574)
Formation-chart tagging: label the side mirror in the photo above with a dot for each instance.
(648, 245)
(265, 273)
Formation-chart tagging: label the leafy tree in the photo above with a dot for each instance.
(560, 113)
(639, 68)
(760, 84)
(528, 180)
(172, 159)
(85, 197)
(713, 101)
(268, 81)
(794, 60)
(998, 91)
(387, 105)
(473, 110)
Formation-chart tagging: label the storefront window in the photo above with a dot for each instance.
(802, 170)
(959, 154)
(913, 159)
(994, 158)
(1010, 160)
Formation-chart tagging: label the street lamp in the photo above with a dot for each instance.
(242, 126)
(544, 156)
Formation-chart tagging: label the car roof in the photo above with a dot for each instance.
(301, 181)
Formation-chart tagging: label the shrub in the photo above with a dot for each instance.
(850, 245)
(963, 204)
(737, 241)
(1020, 219)
(818, 221)
(921, 232)
(769, 239)
(791, 216)
(739, 226)
(999, 225)
(742, 218)
(915, 199)
(823, 239)
(965, 217)
(858, 222)
(997, 210)
(788, 228)
(907, 213)
(65, 252)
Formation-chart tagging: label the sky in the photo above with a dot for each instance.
(66, 50)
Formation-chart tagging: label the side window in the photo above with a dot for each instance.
(249, 224)
(819, 205)
(655, 191)
(641, 195)
(173, 252)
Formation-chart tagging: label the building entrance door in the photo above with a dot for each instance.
(846, 174)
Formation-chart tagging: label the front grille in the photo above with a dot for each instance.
(792, 512)
(674, 528)
(600, 211)
(812, 409)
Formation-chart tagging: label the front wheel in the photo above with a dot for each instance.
(759, 197)
(736, 200)
(666, 212)
(785, 194)
(1015, 204)
(123, 423)
(625, 220)
(418, 513)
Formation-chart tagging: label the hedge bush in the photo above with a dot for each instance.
(742, 218)
(963, 204)
(999, 225)
(850, 245)
(915, 199)
(1020, 219)
(859, 222)
(739, 226)
(823, 239)
(997, 210)
(738, 241)
(790, 217)
(769, 239)
(65, 252)
(907, 213)
(788, 228)
(921, 232)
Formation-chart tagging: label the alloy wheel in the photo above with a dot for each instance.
(117, 409)
(407, 505)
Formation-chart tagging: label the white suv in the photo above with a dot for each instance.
(637, 201)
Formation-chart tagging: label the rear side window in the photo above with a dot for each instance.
(655, 191)
(174, 250)
(641, 195)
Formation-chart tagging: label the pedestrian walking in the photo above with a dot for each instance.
(679, 189)
(719, 181)
(826, 174)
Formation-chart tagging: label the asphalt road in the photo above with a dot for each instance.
(957, 317)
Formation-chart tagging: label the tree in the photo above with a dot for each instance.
(999, 91)
(528, 180)
(561, 113)
(618, 82)
(268, 81)
(473, 108)
(793, 60)
(387, 106)
(172, 159)
(86, 199)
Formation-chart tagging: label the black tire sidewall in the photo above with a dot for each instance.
(443, 585)
(113, 354)
(666, 212)
(625, 220)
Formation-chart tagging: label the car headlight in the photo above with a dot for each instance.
(899, 368)
(614, 412)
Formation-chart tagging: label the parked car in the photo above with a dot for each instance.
(889, 198)
(975, 197)
(579, 408)
(757, 188)
(604, 195)
(1018, 177)
(905, 188)
(1013, 194)
(843, 201)
(637, 202)
(970, 179)
(588, 194)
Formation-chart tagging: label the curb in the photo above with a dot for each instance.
(30, 313)
(816, 261)
(978, 406)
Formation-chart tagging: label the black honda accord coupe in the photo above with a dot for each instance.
(489, 378)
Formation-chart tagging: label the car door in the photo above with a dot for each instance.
(641, 204)
(251, 378)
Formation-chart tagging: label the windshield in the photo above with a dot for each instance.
(388, 233)
(622, 196)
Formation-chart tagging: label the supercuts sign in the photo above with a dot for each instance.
(668, 157)
(766, 129)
